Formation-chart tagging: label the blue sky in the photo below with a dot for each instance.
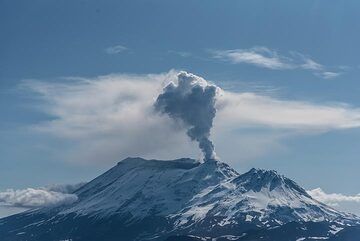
(304, 51)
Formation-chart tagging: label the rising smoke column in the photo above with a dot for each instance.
(192, 102)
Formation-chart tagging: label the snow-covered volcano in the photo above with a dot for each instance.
(142, 199)
(189, 192)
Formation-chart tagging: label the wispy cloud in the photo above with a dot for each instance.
(259, 56)
(121, 122)
(116, 49)
(271, 59)
(180, 53)
(118, 123)
(311, 65)
(347, 203)
(244, 109)
(329, 74)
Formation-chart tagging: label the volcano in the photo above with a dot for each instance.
(184, 199)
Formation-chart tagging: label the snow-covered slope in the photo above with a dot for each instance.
(188, 192)
(261, 197)
(148, 187)
(151, 199)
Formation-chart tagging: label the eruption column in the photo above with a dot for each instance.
(192, 102)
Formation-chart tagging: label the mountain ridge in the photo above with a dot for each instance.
(141, 199)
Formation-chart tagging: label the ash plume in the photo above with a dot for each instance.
(192, 102)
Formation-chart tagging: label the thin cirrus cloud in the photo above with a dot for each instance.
(329, 74)
(183, 54)
(259, 56)
(122, 122)
(270, 59)
(116, 49)
(346, 203)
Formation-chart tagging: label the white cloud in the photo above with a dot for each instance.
(180, 53)
(116, 49)
(346, 203)
(260, 56)
(329, 74)
(271, 59)
(33, 198)
(311, 65)
(111, 117)
(17, 201)
(249, 109)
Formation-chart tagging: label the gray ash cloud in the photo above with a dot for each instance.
(192, 102)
